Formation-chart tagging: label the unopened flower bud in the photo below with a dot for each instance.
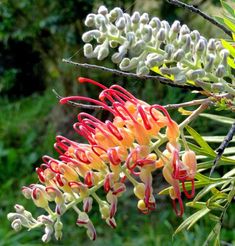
(26, 191)
(102, 10)
(201, 46)
(210, 61)
(141, 205)
(195, 35)
(169, 48)
(111, 222)
(139, 190)
(88, 36)
(211, 45)
(87, 204)
(175, 27)
(184, 30)
(120, 24)
(16, 224)
(155, 23)
(179, 55)
(90, 20)
(154, 60)
(144, 18)
(195, 74)
(142, 70)
(161, 35)
(189, 160)
(135, 18)
(220, 71)
(103, 53)
(147, 33)
(19, 209)
(104, 210)
(39, 198)
(166, 26)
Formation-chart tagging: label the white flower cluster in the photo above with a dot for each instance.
(142, 43)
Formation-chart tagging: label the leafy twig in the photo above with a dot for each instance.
(201, 13)
(131, 75)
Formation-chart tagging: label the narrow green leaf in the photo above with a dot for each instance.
(220, 20)
(228, 8)
(190, 221)
(212, 139)
(207, 189)
(222, 119)
(197, 137)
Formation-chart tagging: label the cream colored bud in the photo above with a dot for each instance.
(211, 45)
(58, 226)
(142, 70)
(175, 27)
(166, 26)
(154, 60)
(90, 20)
(195, 74)
(195, 35)
(19, 209)
(105, 210)
(179, 55)
(16, 225)
(171, 70)
(103, 53)
(120, 23)
(201, 45)
(184, 30)
(139, 190)
(141, 205)
(210, 62)
(161, 35)
(135, 18)
(220, 71)
(144, 18)
(102, 10)
(90, 35)
(155, 23)
(189, 160)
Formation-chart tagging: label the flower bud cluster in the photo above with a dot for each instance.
(124, 148)
(142, 43)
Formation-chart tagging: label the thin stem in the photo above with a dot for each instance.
(194, 115)
(201, 13)
(131, 179)
(131, 75)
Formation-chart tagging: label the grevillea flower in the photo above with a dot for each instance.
(138, 140)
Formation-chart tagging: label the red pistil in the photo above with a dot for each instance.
(86, 80)
(82, 156)
(113, 156)
(40, 173)
(116, 105)
(144, 117)
(91, 100)
(189, 196)
(113, 129)
(156, 106)
(59, 180)
(89, 179)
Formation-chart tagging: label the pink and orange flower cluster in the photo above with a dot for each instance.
(138, 140)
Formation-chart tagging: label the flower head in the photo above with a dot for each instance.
(124, 148)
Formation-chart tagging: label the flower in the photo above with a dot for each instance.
(124, 148)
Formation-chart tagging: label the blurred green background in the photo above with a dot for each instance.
(34, 37)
